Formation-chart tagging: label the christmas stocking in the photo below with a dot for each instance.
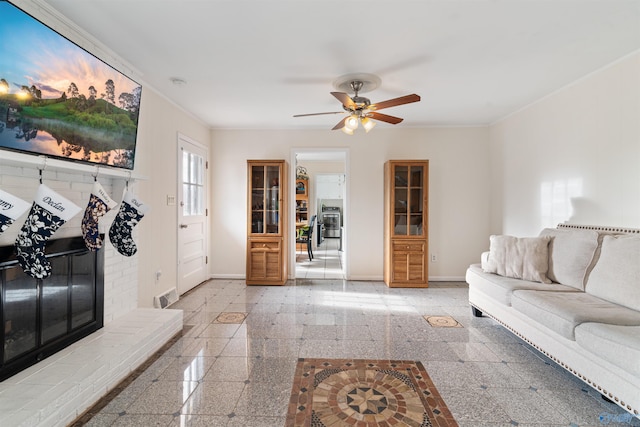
(99, 204)
(10, 209)
(49, 211)
(131, 212)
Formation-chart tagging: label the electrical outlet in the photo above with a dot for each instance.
(434, 258)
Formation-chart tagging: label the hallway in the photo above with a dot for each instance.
(327, 263)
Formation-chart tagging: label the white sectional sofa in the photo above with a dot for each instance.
(574, 294)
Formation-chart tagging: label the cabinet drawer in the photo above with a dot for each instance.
(264, 246)
(408, 246)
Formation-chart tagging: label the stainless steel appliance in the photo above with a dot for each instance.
(320, 233)
(331, 221)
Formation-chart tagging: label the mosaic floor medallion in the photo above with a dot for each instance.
(230, 317)
(365, 393)
(442, 322)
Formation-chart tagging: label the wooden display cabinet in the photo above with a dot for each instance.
(406, 185)
(267, 222)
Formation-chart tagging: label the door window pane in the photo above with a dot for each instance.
(192, 184)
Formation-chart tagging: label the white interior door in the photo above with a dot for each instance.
(192, 214)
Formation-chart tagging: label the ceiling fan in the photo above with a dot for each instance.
(360, 109)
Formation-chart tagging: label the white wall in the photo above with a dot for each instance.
(458, 192)
(157, 160)
(573, 156)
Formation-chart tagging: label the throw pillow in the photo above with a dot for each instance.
(570, 254)
(519, 257)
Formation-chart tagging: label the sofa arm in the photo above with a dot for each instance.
(484, 259)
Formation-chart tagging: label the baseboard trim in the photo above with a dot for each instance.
(354, 278)
(227, 276)
(447, 279)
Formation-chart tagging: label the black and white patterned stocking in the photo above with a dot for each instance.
(99, 204)
(129, 215)
(11, 208)
(49, 211)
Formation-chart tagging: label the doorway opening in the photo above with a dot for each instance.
(319, 209)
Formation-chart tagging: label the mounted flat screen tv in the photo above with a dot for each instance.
(58, 100)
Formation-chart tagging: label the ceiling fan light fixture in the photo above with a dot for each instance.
(367, 124)
(352, 123)
(359, 109)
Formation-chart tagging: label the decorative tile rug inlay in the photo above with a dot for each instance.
(230, 317)
(442, 322)
(365, 393)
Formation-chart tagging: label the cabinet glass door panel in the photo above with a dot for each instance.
(265, 199)
(401, 176)
(408, 200)
(415, 205)
(415, 198)
(257, 199)
(400, 225)
(401, 201)
(415, 225)
(273, 200)
(416, 177)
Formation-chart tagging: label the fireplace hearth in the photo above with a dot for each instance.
(41, 317)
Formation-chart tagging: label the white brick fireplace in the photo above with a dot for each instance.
(60, 388)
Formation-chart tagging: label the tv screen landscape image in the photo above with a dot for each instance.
(58, 100)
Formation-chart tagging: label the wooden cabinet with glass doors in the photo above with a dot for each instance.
(266, 225)
(406, 221)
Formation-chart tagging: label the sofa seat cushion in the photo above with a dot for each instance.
(563, 311)
(617, 344)
(500, 288)
(616, 275)
(571, 253)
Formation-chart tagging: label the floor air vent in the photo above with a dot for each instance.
(166, 298)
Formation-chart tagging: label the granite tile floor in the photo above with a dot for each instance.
(224, 374)
(327, 262)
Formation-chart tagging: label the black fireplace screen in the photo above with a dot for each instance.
(41, 317)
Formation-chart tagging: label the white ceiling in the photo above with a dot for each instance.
(253, 64)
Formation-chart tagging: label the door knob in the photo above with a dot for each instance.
(183, 225)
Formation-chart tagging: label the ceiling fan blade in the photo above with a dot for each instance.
(346, 100)
(407, 99)
(340, 125)
(318, 114)
(383, 118)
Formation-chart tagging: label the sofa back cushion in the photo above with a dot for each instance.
(519, 257)
(616, 275)
(570, 255)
